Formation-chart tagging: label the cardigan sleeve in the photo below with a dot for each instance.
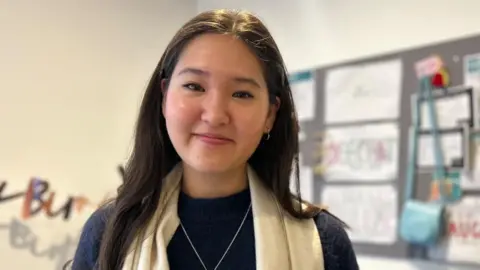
(338, 252)
(88, 247)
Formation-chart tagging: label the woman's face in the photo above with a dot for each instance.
(216, 106)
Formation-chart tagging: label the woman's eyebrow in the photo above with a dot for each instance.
(201, 72)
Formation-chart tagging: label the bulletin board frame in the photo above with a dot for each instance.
(444, 132)
(454, 92)
(452, 53)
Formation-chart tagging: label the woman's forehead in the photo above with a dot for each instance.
(212, 53)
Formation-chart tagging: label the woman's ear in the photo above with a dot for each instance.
(277, 104)
(272, 113)
(164, 87)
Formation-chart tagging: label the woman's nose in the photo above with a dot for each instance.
(215, 109)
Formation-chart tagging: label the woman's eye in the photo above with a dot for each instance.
(193, 87)
(242, 95)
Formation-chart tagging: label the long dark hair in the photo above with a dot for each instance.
(153, 154)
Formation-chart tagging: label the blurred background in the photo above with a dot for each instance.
(72, 74)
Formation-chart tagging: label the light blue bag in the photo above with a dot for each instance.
(423, 223)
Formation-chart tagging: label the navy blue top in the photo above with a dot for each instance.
(211, 225)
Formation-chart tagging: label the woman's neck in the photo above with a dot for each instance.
(213, 185)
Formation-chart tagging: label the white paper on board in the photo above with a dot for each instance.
(471, 180)
(471, 70)
(361, 153)
(303, 92)
(363, 92)
(302, 136)
(448, 110)
(451, 147)
(306, 182)
(463, 239)
(370, 211)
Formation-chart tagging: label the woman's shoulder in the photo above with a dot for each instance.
(89, 243)
(328, 223)
(98, 219)
(337, 248)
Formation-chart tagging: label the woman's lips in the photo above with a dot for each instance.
(213, 139)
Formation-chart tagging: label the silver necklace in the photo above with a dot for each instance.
(229, 246)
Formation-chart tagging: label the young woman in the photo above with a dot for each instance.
(207, 184)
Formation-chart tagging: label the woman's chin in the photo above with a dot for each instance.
(211, 166)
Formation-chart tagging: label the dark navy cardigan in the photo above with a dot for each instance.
(211, 224)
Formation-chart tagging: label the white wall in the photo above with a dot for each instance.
(317, 32)
(313, 33)
(72, 74)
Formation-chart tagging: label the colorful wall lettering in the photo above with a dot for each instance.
(21, 237)
(366, 152)
(39, 198)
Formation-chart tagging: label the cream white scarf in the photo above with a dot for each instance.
(281, 241)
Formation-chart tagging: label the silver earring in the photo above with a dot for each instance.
(267, 137)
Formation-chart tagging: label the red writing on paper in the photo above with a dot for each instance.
(359, 153)
(465, 229)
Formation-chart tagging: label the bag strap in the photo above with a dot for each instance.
(439, 173)
(424, 93)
